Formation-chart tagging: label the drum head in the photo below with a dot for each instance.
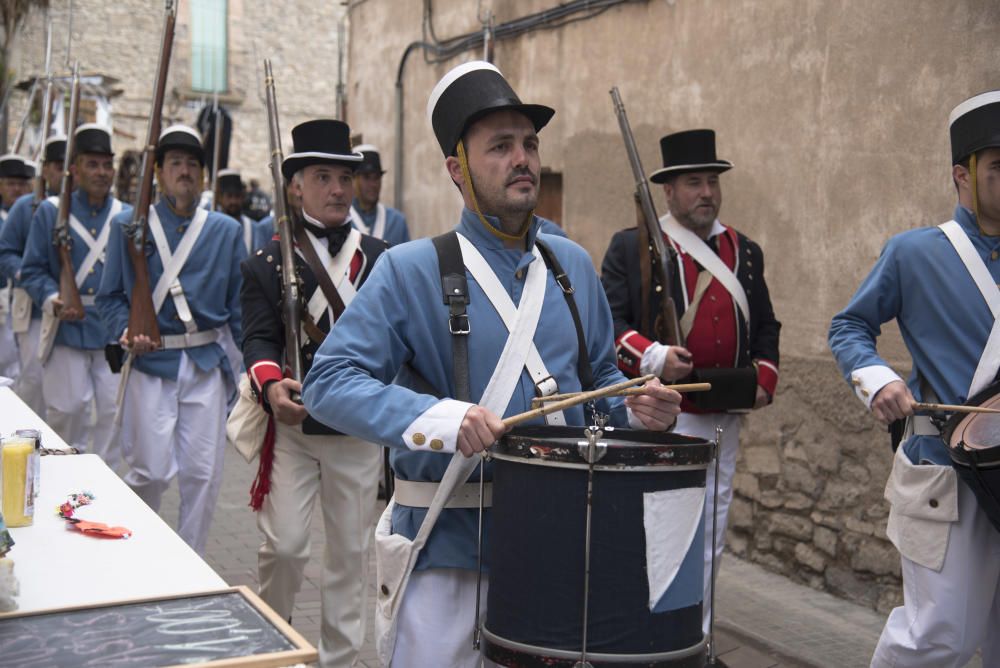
(976, 431)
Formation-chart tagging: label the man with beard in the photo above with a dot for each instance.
(381, 371)
(75, 372)
(725, 312)
(368, 214)
(175, 397)
(306, 458)
(230, 187)
(25, 314)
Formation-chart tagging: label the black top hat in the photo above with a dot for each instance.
(55, 149)
(975, 125)
(372, 162)
(321, 141)
(229, 181)
(13, 166)
(182, 138)
(688, 151)
(92, 138)
(469, 92)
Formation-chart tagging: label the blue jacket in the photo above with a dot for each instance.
(13, 239)
(920, 281)
(40, 268)
(398, 318)
(210, 279)
(396, 230)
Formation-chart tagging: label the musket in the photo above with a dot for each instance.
(142, 314)
(46, 121)
(19, 137)
(69, 293)
(216, 151)
(667, 327)
(291, 306)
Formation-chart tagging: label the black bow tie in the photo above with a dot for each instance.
(335, 236)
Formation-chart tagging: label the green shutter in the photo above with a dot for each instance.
(209, 62)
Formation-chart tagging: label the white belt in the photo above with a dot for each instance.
(418, 494)
(88, 300)
(920, 425)
(190, 339)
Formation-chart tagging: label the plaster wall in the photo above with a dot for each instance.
(835, 115)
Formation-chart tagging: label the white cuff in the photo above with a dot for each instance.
(436, 429)
(653, 359)
(867, 381)
(635, 423)
(48, 306)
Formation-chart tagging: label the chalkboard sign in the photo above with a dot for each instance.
(231, 627)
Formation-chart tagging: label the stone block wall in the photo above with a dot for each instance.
(808, 488)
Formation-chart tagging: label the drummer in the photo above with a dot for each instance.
(924, 279)
(399, 327)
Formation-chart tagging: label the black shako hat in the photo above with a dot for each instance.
(182, 138)
(13, 166)
(469, 92)
(689, 151)
(92, 138)
(372, 162)
(229, 181)
(55, 149)
(322, 141)
(975, 125)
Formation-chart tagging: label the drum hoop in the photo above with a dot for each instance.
(613, 468)
(549, 652)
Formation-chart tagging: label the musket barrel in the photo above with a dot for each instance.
(69, 292)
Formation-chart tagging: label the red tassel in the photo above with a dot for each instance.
(262, 483)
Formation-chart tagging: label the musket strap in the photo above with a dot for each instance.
(645, 276)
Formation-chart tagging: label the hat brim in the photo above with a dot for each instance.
(664, 173)
(538, 114)
(198, 152)
(297, 161)
(976, 146)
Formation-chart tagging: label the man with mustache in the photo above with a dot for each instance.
(175, 397)
(75, 373)
(368, 214)
(383, 370)
(306, 458)
(725, 312)
(26, 316)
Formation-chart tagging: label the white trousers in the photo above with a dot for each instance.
(177, 428)
(343, 472)
(436, 620)
(74, 383)
(703, 426)
(9, 359)
(29, 382)
(948, 614)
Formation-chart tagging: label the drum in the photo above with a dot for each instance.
(643, 596)
(973, 441)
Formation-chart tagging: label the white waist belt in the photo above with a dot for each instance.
(418, 494)
(88, 300)
(921, 425)
(189, 340)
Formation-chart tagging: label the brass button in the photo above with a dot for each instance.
(933, 503)
(856, 381)
(309, 356)
(864, 393)
(712, 297)
(437, 444)
(659, 288)
(994, 255)
(90, 291)
(385, 590)
(419, 439)
(519, 274)
(93, 231)
(270, 258)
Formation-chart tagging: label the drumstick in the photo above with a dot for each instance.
(629, 391)
(953, 408)
(579, 398)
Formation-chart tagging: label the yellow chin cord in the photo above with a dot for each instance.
(975, 193)
(463, 161)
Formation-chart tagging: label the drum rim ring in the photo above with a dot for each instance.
(606, 468)
(548, 652)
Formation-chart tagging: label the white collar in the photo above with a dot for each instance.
(717, 227)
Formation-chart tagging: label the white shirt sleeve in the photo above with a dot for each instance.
(869, 380)
(653, 359)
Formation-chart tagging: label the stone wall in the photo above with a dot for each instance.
(122, 39)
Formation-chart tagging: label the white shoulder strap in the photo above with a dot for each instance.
(694, 246)
(97, 246)
(247, 232)
(173, 262)
(521, 321)
(359, 222)
(339, 268)
(378, 229)
(989, 361)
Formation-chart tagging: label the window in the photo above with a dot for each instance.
(209, 57)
